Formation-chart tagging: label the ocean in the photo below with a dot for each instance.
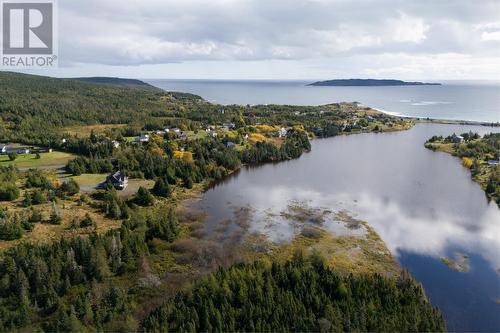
(455, 100)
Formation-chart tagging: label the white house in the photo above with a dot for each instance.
(142, 138)
(3, 149)
(115, 143)
(119, 180)
(282, 132)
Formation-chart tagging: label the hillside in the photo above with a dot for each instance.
(368, 83)
(115, 81)
(33, 106)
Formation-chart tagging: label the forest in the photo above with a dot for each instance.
(302, 295)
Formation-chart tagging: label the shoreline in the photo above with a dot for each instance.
(438, 120)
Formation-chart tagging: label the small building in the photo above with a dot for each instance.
(118, 180)
(22, 150)
(493, 162)
(230, 145)
(142, 138)
(3, 149)
(456, 138)
(282, 132)
(213, 134)
(115, 143)
(228, 126)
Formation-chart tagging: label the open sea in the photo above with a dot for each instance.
(457, 100)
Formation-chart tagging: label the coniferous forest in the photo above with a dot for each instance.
(301, 295)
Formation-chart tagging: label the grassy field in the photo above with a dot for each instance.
(84, 131)
(88, 182)
(133, 186)
(46, 160)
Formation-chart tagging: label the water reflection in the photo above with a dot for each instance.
(423, 204)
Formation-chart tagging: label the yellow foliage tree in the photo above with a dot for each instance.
(467, 162)
(256, 137)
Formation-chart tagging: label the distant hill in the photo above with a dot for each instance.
(32, 108)
(115, 81)
(369, 83)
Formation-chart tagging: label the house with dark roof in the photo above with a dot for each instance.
(118, 180)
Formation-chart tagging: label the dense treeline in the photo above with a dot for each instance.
(302, 295)
(210, 158)
(66, 285)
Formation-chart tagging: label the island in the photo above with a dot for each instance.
(369, 83)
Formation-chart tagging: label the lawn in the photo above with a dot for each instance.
(46, 161)
(88, 181)
(133, 186)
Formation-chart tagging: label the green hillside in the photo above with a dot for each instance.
(34, 108)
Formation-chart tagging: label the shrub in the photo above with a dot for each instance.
(38, 198)
(161, 188)
(55, 215)
(36, 216)
(143, 197)
(12, 156)
(70, 187)
(87, 221)
(8, 192)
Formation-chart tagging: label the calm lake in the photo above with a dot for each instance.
(422, 203)
(460, 100)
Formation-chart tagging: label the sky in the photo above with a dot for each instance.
(279, 39)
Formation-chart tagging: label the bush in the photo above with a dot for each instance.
(10, 230)
(38, 198)
(143, 197)
(70, 187)
(36, 216)
(55, 215)
(161, 188)
(8, 192)
(87, 221)
(12, 156)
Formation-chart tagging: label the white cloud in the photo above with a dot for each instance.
(408, 29)
(358, 36)
(489, 36)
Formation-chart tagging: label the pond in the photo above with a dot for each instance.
(423, 204)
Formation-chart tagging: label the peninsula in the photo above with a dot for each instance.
(369, 83)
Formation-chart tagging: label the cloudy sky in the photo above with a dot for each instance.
(280, 39)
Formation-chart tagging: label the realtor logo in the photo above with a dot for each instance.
(28, 29)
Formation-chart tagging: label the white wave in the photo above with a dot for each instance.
(425, 103)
